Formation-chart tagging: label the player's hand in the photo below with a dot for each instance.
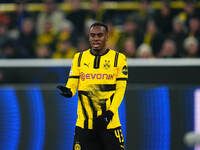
(66, 92)
(103, 120)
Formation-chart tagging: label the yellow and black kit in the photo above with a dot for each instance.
(101, 83)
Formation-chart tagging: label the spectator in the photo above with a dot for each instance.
(51, 14)
(48, 37)
(10, 50)
(129, 48)
(65, 50)
(145, 13)
(43, 51)
(144, 51)
(114, 35)
(189, 12)
(18, 16)
(130, 30)
(168, 49)
(77, 17)
(163, 19)
(194, 28)
(4, 19)
(65, 33)
(96, 12)
(153, 37)
(178, 35)
(4, 38)
(191, 47)
(27, 38)
(82, 44)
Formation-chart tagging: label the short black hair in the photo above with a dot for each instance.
(99, 24)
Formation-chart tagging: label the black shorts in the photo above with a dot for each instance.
(85, 139)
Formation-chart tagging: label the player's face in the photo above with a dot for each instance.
(98, 37)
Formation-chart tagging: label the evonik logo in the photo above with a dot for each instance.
(97, 76)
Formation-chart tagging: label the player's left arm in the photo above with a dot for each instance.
(121, 81)
(122, 76)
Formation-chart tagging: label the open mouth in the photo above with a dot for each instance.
(96, 44)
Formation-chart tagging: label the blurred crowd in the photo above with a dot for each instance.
(142, 33)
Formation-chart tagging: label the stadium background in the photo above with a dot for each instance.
(160, 106)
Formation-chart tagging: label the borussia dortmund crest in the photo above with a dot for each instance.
(106, 64)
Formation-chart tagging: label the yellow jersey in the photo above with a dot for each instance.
(101, 83)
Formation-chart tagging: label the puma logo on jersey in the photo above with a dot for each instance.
(86, 65)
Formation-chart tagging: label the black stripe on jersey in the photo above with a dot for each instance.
(103, 107)
(116, 59)
(107, 87)
(90, 101)
(93, 110)
(97, 61)
(122, 79)
(79, 59)
(74, 77)
(91, 104)
(111, 98)
(84, 110)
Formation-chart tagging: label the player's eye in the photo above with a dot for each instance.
(100, 34)
(92, 34)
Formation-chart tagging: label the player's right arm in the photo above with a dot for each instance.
(74, 75)
(70, 89)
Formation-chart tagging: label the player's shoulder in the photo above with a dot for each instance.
(122, 55)
(116, 52)
(80, 52)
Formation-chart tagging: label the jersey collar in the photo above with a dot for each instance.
(107, 50)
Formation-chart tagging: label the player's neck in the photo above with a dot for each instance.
(99, 52)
